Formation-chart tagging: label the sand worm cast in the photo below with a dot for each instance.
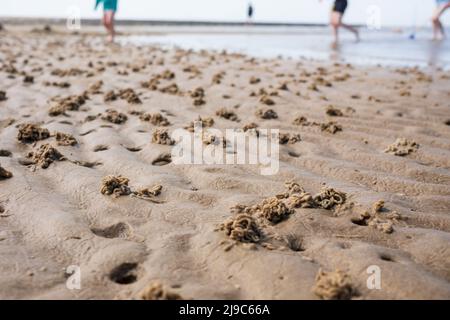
(241, 148)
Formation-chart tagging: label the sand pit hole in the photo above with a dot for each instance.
(294, 242)
(118, 230)
(294, 154)
(100, 147)
(162, 160)
(126, 273)
(359, 221)
(344, 245)
(133, 149)
(386, 257)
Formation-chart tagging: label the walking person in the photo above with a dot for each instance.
(438, 28)
(337, 13)
(109, 12)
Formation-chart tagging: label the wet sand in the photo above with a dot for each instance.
(87, 179)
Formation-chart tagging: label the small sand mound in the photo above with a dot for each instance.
(72, 72)
(333, 286)
(171, 89)
(156, 119)
(198, 95)
(378, 206)
(267, 114)
(156, 291)
(110, 96)
(152, 84)
(95, 88)
(28, 79)
(402, 147)
(297, 197)
(275, 210)
(206, 122)
(116, 186)
(254, 80)
(265, 99)
(4, 174)
(167, 75)
(114, 116)
(283, 86)
(130, 96)
(242, 228)
(64, 139)
(301, 121)
(331, 127)
(250, 126)
(211, 139)
(125, 94)
(334, 112)
(301, 200)
(378, 218)
(29, 133)
(328, 198)
(58, 84)
(71, 103)
(293, 187)
(218, 77)
(45, 155)
(227, 114)
(287, 138)
(149, 193)
(162, 136)
(384, 226)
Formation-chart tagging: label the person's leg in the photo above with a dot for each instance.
(438, 28)
(335, 21)
(351, 29)
(109, 24)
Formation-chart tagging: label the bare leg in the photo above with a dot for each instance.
(108, 22)
(335, 21)
(351, 29)
(438, 28)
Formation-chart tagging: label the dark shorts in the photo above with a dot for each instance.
(340, 6)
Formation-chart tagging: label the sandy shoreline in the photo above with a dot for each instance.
(53, 214)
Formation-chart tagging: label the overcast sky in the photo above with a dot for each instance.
(393, 12)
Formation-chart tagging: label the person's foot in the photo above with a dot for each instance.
(438, 38)
(358, 38)
(110, 39)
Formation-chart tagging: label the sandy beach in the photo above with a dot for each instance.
(87, 180)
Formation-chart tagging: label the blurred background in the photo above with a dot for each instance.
(393, 32)
(393, 12)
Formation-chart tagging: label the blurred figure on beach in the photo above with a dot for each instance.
(109, 12)
(337, 13)
(250, 12)
(438, 28)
